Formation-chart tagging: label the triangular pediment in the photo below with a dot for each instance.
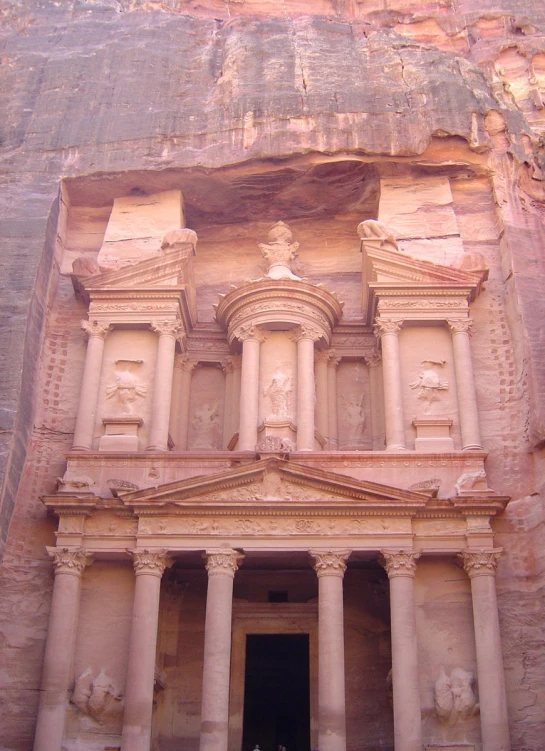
(275, 481)
(388, 272)
(167, 269)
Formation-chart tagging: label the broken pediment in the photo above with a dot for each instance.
(389, 276)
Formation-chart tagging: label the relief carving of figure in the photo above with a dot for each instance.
(205, 424)
(98, 697)
(454, 697)
(126, 389)
(279, 393)
(429, 384)
(354, 415)
(279, 252)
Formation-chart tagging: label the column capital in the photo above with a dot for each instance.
(183, 362)
(334, 358)
(330, 562)
(480, 562)
(322, 356)
(460, 326)
(96, 328)
(387, 326)
(232, 363)
(306, 332)
(250, 331)
(69, 560)
(222, 561)
(168, 328)
(151, 562)
(399, 562)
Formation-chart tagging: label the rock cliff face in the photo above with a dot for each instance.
(245, 104)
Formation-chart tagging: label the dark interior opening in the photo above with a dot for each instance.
(276, 693)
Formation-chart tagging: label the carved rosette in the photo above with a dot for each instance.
(96, 328)
(151, 562)
(222, 561)
(480, 562)
(399, 562)
(168, 328)
(330, 562)
(462, 326)
(387, 326)
(69, 560)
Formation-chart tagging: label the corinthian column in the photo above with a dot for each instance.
(148, 568)
(251, 338)
(305, 337)
(185, 367)
(391, 375)
(221, 566)
(169, 332)
(480, 566)
(87, 409)
(465, 384)
(400, 566)
(59, 647)
(330, 566)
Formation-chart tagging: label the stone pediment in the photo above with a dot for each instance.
(391, 273)
(277, 482)
(170, 268)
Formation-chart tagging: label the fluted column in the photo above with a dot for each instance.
(400, 566)
(480, 566)
(332, 400)
(92, 370)
(330, 566)
(251, 337)
(137, 717)
(391, 374)
(465, 384)
(221, 566)
(322, 408)
(169, 332)
(305, 336)
(59, 648)
(185, 366)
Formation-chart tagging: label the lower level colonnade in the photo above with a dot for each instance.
(221, 565)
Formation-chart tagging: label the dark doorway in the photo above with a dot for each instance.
(276, 692)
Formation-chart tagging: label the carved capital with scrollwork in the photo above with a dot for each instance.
(152, 562)
(480, 562)
(399, 562)
(322, 356)
(96, 328)
(334, 358)
(69, 560)
(232, 363)
(222, 561)
(306, 332)
(330, 562)
(374, 359)
(250, 331)
(183, 362)
(168, 328)
(387, 326)
(460, 326)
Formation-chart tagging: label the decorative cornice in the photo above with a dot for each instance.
(222, 561)
(480, 562)
(399, 562)
(330, 562)
(151, 562)
(69, 560)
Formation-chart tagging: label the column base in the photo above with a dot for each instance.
(473, 447)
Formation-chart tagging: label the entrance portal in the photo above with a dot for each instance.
(276, 692)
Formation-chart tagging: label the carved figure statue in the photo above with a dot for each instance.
(371, 229)
(279, 252)
(205, 422)
(471, 482)
(98, 697)
(275, 444)
(354, 415)
(126, 389)
(72, 481)
(279, 393)
(429, 384)
(454, 697)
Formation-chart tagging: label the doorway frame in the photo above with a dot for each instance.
(270, 618)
